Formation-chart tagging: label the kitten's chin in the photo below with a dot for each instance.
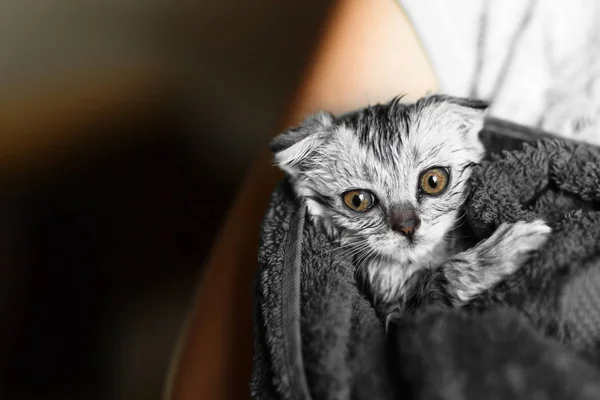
(416, 251)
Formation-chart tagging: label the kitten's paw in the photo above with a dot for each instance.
(515, 242)
(525, 237)
(483, 266)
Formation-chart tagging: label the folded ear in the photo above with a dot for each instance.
(294, 146)
(472, 112)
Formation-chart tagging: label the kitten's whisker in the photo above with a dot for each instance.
(367, 257)
(348, 252)
(458, 219)
(344, 247)
(358, 250)
(363, 263)
(377, 255)
(358, 264)
(363, 256)
(363, 259)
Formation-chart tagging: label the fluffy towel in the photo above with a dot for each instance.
(533, 336)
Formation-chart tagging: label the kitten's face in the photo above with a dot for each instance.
(391, 178)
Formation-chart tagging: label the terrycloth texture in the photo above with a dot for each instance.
(557, 181)
(342, 341)
(449, 354)
(318, 337)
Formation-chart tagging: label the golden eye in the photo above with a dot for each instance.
(358, 200)
(433, 181)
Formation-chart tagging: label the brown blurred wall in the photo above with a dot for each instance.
(101, 254)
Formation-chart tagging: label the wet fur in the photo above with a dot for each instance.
(384, 148)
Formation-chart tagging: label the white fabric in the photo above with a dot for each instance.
(537, 62)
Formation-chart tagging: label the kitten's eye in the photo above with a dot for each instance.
(434, 181)
(358, 200)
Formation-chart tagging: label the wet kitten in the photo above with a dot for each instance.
(389, 182)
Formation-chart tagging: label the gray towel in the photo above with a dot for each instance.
(318, 337)
(557, 181)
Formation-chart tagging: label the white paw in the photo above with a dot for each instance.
(499, 256)
(518, 240)
(528, 236)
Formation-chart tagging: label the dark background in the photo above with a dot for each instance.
(125, 128)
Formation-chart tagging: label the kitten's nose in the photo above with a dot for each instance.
(405, 222)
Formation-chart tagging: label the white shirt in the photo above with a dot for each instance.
(537, 62)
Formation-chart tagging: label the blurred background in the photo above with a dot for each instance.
(125, 129)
